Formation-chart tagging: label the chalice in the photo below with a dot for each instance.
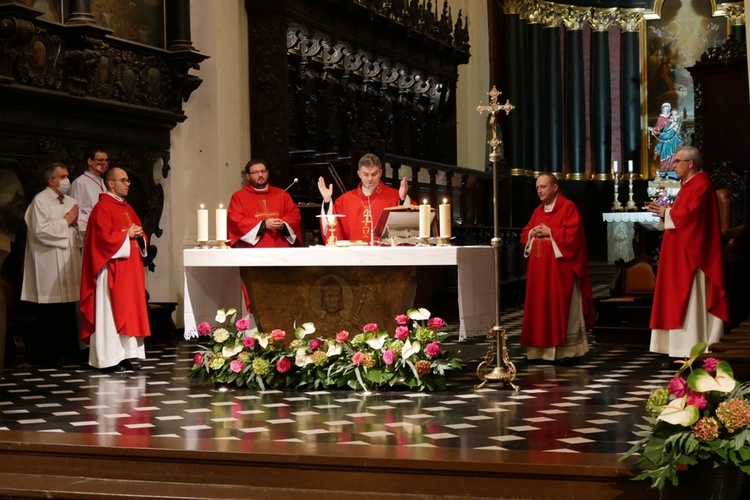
(333, 221)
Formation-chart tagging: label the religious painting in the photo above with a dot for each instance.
(51, 9)
(675, 42)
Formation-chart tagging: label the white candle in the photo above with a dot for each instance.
(221, 223)
(202, 224)
(630, 166)
(424, 220)
(614, 169)
(445, 219)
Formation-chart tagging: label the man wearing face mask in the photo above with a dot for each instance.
(361, 207)
(52, 268)
(88, 186)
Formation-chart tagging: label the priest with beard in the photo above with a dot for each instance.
(361, 207)
(559, 306)
(260, 215)
(114, 314)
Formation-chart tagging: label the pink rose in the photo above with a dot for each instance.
(198, 359)
(283, 365)
(389, 356)
(315, 344)
(358, 358)
(236, 366)
(697, 399)
(435, 323)
(370, 327)
(678, 387)
(402, 333)
(277, 335)
(432, 349)
(402, 319)
(342, 336)
(242, 324)
(709, 364)
(248, 342)
(204, 328)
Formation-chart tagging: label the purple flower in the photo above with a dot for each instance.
(389, 356)
(432, 349)
(402, 319)
(242, 324)
(678, 387)
(402, 333)
(315, 344)
(435, 323)
(248, 342)
(236, 366)
(204, 328)
(709, 364)
(370, 327)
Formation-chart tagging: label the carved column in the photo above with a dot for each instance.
(513, 66)
(177, 18)
(601, 95)
(553, 90)
(539, 132)
(80, 12)
(630, 88)
(574, 19)
(736, 17)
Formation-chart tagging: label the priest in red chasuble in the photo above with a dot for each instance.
(690, 299)
(361, 207)
(559, 306)
(261, 215)
(113, 291)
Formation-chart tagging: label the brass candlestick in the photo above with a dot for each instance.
(505, 371)
(616, 205)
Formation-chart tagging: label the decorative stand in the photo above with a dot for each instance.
(333, 221)
(203, 244)
(505, 371)
(444, 242)
(423, 242)
(616, 205)
(630, 205)
(222, 244)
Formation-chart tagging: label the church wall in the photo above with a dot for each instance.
(211, 147)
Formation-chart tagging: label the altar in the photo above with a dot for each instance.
(288, 286)
(620, 232)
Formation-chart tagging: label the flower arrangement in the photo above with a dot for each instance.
(664, 198)
(702, 416)
(413, 355)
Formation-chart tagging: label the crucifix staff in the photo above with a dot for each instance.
(505, 370)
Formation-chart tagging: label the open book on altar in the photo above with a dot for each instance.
(400, 224)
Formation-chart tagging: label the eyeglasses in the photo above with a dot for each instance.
(123, 180)
(100, 160)
(678, 160)
(259, 172)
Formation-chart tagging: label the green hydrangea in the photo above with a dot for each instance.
(216, 362)
(244, 356)
(655, 403)
(396, 345)
(425, 335)
(319, 358)
(358, 340)
(294, 344)
(261, 366)
(220, 335)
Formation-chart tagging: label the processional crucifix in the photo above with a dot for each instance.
(505, 370)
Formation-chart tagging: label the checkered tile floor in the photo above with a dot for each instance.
(591, 407)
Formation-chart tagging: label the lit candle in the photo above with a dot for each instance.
(424, 220)
(202, 224)
(445, 219)
(614, 169)
(221, 223)
(630, 166)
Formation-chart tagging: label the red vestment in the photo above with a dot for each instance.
(106, 231)
(549, 280)
(362, 212)
(248, 207)
(694, 243)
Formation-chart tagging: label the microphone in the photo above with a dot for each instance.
(295, 181)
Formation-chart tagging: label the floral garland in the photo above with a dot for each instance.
(413, 355)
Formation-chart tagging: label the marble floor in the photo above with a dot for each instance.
(588, 408)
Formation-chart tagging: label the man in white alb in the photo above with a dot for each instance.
(88, 186)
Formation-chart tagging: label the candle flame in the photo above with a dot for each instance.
(221, 206)
(202, 206)
(424, 202)
(445, 201)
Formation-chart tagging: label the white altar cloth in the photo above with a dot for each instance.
(212, 278)
(620, 232)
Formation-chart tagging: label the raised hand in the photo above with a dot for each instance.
(325, 191)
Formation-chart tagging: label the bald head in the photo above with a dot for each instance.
(117, 181)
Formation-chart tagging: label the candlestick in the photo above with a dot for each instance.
(630, 205)
(221, 223)
(424, 220)
(445, 219)
(202, 224)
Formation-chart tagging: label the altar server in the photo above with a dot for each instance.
(87, 187)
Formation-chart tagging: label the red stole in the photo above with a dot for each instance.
(549, 280)
(106, 231)
(694, 243)
(249, 207)
(362, 212)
